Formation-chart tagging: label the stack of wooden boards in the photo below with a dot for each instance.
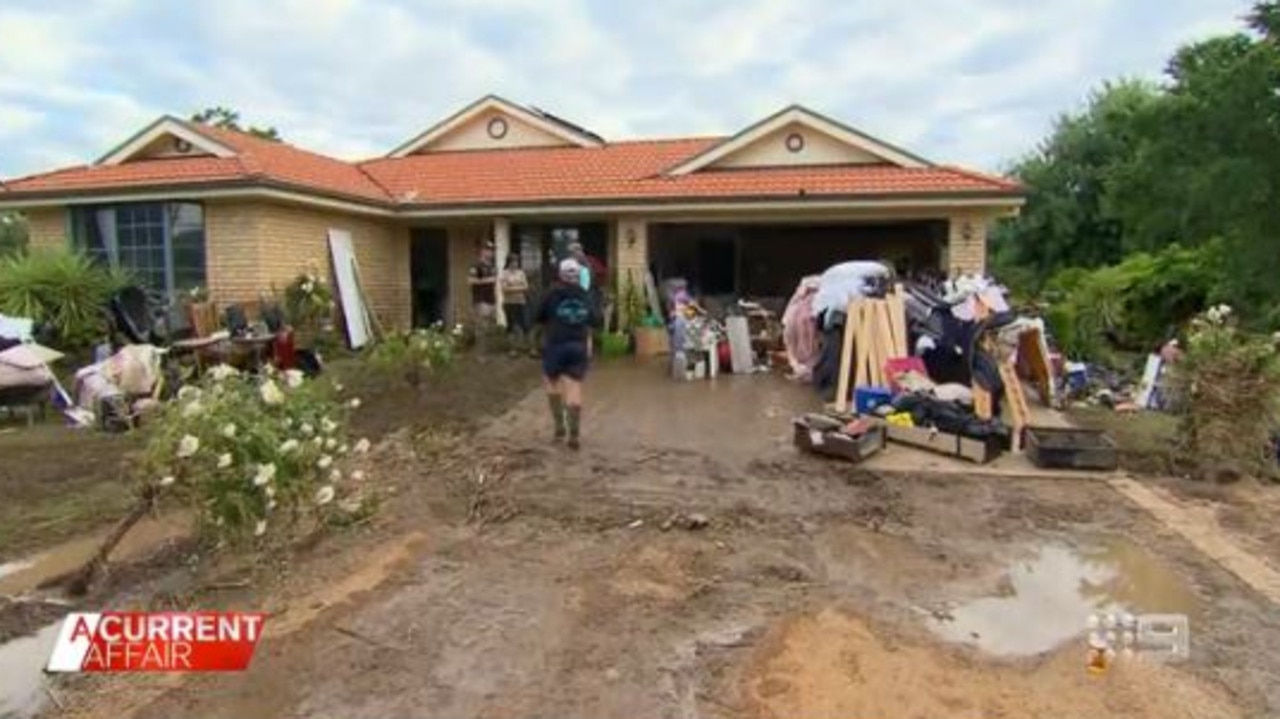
(875, 331)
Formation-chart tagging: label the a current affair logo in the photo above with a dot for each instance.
(156, 642)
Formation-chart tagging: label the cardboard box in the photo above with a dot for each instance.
(975, 450)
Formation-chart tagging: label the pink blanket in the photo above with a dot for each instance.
(799, 333)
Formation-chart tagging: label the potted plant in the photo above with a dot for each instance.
(650, 332)
(308, 304)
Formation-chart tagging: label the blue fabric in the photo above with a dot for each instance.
(584, 276)
(565, 359)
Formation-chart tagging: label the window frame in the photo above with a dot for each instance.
(85, 234)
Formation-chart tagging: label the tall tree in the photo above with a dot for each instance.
(219, 116)
(1066, 222)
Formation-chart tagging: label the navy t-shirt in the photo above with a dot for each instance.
(568, 313)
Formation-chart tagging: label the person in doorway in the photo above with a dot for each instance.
(483, 279)
(585, 271)
(515, 291)
(567, 316)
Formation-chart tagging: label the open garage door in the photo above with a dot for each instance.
(768, 260)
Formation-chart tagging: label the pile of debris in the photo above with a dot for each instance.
(943, 371)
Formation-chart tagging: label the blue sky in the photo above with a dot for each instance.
(975, 82)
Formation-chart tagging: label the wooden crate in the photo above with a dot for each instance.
(980, 451)
(834, 443)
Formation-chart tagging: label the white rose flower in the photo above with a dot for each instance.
(337, 386)
(331, 444)
(325, 462)
(288, 446)
(260, 528)
(335, 476)
(223, 371)
(229, 430)
(192, 409)
(355, 403)
(224, 461)
(271, 393)
(362, 446)
(271, 493)
(325, 495)
(328, 425)
(358, 475)
(189, 391)
(344, 449)
(307, 430)
(265, 473)
(288, 423)
(188, 446)
(293, 378)
(271, 503)
(167, 480)
(318, 441)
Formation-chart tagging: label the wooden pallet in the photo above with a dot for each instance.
(875, 331)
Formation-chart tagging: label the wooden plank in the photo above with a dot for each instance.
(981, 402)
(883, 339)
(846, 357)
(898, 314)
(863, 347)
(1016, 402)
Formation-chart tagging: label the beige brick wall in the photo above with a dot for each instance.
(629, 257)
(47, 227)
(967, 254)
(256, 249)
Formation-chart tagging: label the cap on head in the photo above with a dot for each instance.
(569, 270)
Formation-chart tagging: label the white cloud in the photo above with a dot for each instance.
(973, 81)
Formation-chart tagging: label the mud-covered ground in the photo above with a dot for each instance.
(689, 563)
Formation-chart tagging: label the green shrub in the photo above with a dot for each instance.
(1228, 387)
(413, 355)
(308, 301)
(253, 456)
(65, 289)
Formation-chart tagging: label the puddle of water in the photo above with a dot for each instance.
(142, 540)
(1046, 600)
(22, 662)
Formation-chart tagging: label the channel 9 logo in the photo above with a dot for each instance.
(1163, 637)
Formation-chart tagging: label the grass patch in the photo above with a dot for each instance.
(1146, 440)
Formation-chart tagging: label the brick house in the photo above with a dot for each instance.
(188, 205)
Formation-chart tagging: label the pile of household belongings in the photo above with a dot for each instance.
(118, 390)
(26, 381)
(939, 369)
(695, 336)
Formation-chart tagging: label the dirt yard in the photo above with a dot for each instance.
(689, 563)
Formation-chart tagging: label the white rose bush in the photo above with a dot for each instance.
(240, 451)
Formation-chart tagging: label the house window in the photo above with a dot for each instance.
(161, 244)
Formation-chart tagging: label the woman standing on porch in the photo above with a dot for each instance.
(567, 315)
(515, 290)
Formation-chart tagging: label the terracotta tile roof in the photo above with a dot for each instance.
(256, 159)
(617, 171)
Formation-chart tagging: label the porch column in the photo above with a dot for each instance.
(629, 257)
(967, 244)
(501, 248)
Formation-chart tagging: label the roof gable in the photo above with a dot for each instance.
(166, 137)
(798, 137)
(492, 123)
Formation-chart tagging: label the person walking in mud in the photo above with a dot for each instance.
(567, 316)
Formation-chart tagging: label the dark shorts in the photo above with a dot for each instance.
(565, 359)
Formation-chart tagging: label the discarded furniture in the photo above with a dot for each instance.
(979, 451)
(827, 436)
(1070, 448)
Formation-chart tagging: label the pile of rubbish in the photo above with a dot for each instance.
(940, 366)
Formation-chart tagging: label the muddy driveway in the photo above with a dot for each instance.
(688, 563)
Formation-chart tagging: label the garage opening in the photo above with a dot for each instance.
(764, 261)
